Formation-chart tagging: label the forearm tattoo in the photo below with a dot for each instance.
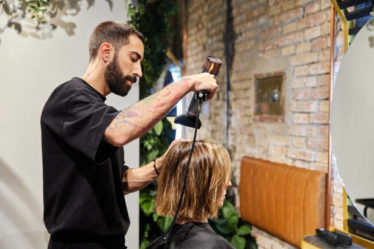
(150, 106)
(123, 118)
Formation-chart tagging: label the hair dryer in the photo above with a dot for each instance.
(212, 66)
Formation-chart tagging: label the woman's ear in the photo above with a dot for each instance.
(106, 51)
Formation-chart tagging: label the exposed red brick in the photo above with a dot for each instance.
(302, 130)
(301, 71)
(324, 106)
(312, 33)
(322, 157)
(288, 50)
(304, 106)
(319, 68)
(314, 19)
(303, 47)
(299, 142)
(319, 118)
(291, 15)
(290, 39)
(312, 7)
(278, 140)
(301, 118)
(301, 59)
(303, 2)
(321, 93)
(324, 55)
(301, 93)
(306, 155)
(323, 80)
(288, 4)
(325, 5)
(275, 10)
(289, 28)
(278, 150)
(320, 43)
(270, 33)
(267, 45)
(318, 144)
(323, 131)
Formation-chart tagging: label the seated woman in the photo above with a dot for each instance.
(208, 178)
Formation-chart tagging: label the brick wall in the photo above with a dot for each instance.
(289, 36)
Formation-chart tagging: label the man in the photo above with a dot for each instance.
(83, 162)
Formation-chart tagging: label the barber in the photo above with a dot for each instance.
(84, 174)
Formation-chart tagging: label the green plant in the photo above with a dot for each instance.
(234, 229)
(153, 145)
(38, 11)
(43, 15)
(152, 18)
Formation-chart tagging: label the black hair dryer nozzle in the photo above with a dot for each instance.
(212, 66)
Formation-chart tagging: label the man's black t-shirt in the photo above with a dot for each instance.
(81, 173)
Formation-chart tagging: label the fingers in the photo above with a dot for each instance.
(211, 93)
(213, 90)
(208, 83)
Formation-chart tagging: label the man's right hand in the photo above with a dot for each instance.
(202, 81)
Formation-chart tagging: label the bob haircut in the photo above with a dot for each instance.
(115, 33)
(208, 175)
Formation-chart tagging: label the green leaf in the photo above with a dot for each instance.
(158, 128)
(228, 210)
(230, 213)
(244, 230)
(144, 197)
(164, 223)
(234, 220)
(155, 216)
(224, 226)
(144, 244)
(238, 242)
(152, 155)
(148, 206)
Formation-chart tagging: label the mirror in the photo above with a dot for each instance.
(352, 119)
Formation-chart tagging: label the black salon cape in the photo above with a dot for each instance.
(196, 236)
(83, 198)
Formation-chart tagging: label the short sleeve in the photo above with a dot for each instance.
(79, 119)
(85, 124)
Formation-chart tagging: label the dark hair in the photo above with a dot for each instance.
(209, 173)
(115, 33)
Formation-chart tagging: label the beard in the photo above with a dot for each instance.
(115, 80)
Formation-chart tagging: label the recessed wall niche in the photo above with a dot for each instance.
(269, 106)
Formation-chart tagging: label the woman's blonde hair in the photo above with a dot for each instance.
(208, 175)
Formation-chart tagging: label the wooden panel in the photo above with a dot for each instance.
(286, 201)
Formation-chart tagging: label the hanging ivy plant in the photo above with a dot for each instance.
(39, 12)
(43, 15)
(153, 19)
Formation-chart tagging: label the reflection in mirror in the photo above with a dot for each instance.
(352, 121)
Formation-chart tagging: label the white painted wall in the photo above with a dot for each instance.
(30, 69)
